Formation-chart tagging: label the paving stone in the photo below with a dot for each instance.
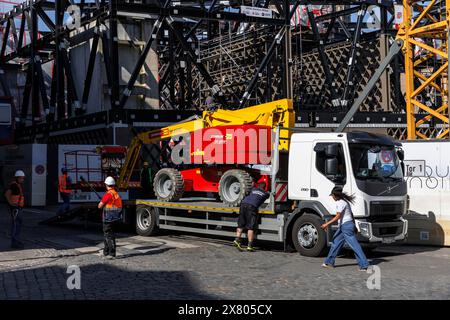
(189, 268)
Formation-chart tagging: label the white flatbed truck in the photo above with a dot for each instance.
(366, 165)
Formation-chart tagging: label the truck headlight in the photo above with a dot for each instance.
(364, 229)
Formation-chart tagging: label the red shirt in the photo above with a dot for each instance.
(107, 198)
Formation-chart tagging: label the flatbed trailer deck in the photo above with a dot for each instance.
(203, 216)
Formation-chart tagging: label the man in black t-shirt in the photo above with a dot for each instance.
(248, 215)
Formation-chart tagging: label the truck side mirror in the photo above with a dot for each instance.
(332, 150)
(401, 154)
(331, 167)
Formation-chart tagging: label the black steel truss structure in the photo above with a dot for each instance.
(209, 53)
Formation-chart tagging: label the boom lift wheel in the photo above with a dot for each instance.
(234, 185)
(168, 184)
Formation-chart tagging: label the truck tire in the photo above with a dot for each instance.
(234, 185)
(307, 236)
(146, 218)
(168, 184)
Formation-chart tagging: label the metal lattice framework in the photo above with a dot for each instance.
(315, 95)
(425, 33)
(207, 51)
(329, 68)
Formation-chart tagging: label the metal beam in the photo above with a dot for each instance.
(349, 85)
(59, 62)
(267, 58)
(48, 22)
(114, 54)
(323, 58)
(130, 85)
(194, 58)
(5, 39)
(90, 68)
(195, 13)
(393, 51)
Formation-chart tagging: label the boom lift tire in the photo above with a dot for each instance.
(168, 184)
(146, 217)
(234, 185)
(308, 238)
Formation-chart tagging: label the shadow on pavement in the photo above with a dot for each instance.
(100, 281)
(151, 251)
(70, 231)
(372, 262)
(67, 236)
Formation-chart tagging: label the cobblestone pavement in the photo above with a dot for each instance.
(174, 266)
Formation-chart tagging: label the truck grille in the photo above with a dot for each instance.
(387, 231)
(386, 209)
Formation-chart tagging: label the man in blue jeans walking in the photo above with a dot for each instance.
(346, 231)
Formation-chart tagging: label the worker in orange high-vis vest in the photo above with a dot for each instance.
(111, 204)
(16, 202)
(64, 191)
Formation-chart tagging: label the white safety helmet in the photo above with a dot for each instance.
(19, 173)
(109, 181)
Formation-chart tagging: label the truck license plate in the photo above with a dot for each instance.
(388, 240)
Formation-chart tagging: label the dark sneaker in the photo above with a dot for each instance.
(238, 245)
(251, 249)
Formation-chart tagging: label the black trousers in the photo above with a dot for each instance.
(16, 224)
(110, 238)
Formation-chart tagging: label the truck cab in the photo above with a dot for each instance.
(368, 166)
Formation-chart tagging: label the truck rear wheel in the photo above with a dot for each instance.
(307, 236)
(146, 221)
(168, 184)
(234, 185)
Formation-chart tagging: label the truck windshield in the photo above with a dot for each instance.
(375, 162)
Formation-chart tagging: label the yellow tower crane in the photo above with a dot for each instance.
(425, 33)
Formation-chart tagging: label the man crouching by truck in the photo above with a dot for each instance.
(248, 215)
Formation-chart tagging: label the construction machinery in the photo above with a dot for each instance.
(224, 171)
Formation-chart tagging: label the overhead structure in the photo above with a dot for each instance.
(425, 32)
(138, 63)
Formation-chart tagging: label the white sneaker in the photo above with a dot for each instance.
(329, 266)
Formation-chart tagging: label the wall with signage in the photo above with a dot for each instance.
(427, 166)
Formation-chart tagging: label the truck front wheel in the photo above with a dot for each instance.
(146, 221)
(307, 236)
